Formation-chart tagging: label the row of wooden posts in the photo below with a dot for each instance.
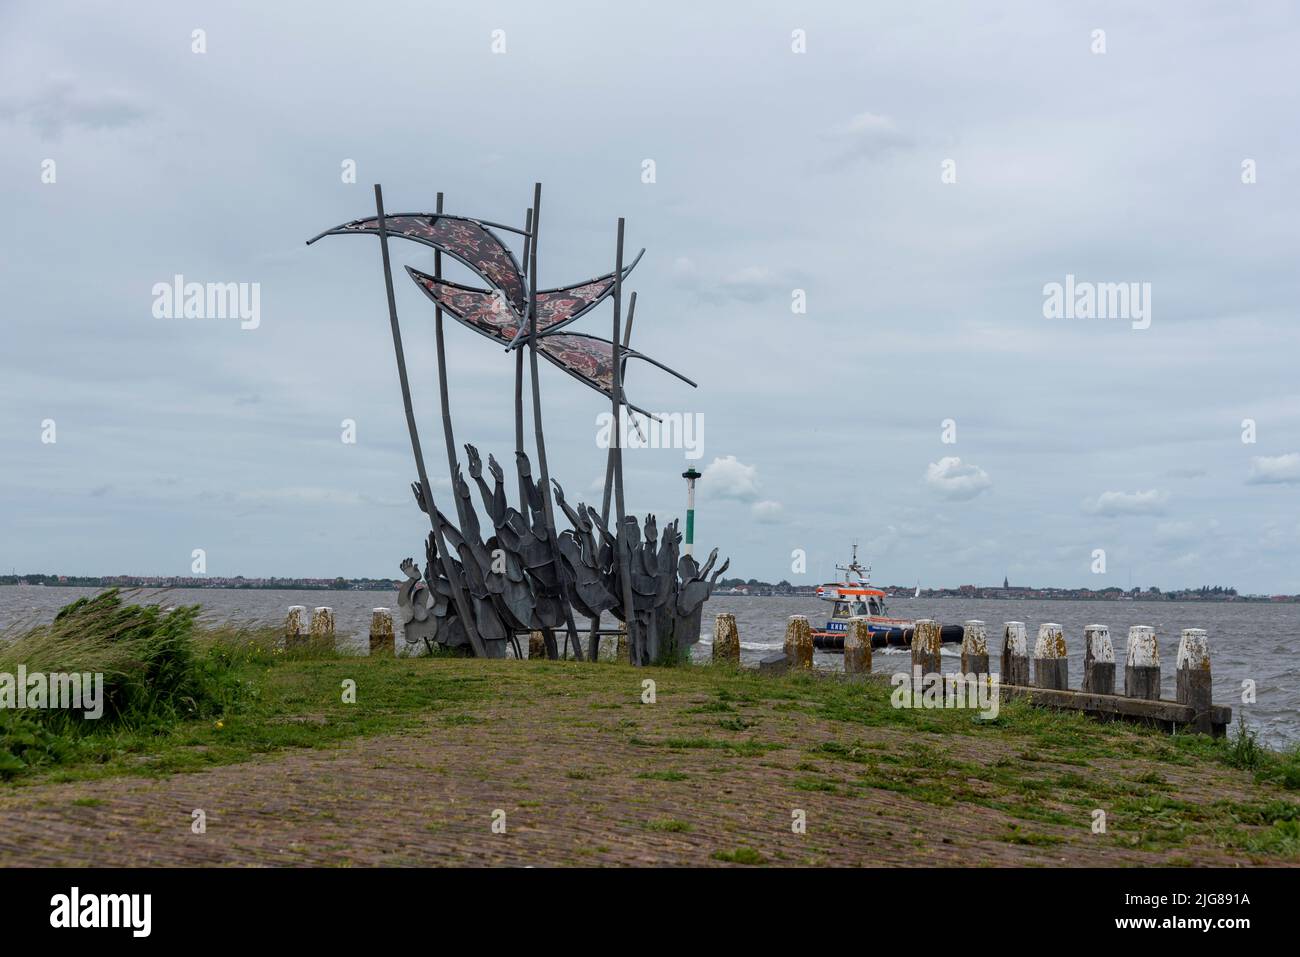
(1049, 682)
(302, 630)
(1043, 676)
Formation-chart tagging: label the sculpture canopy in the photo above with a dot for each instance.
(464, 595)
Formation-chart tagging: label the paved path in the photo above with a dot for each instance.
(565, 772)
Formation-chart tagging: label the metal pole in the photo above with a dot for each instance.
(519, 381)
(625, 572)
(544, 476)
(442, 386)
(609, 457)
(448, 566)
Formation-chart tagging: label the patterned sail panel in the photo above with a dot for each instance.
(559, 307)
(467, 240)
(480, 309)
(591, 359)
(556, 308)
(588, 358)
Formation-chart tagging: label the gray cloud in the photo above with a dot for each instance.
(1148, 502)
(66, 103)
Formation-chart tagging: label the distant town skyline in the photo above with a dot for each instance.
(732, 585)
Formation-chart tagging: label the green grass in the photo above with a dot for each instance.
(741, 855)
(232, 694)
(667, 824)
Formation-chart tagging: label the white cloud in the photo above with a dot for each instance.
(1275, 469)
(955, 481)
(1150, 502)
(726, 477)
(766, 512)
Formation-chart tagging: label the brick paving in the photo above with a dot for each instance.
(564, 771)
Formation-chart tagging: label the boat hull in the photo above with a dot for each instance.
(883, 636)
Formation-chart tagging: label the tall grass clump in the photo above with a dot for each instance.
(155, 673)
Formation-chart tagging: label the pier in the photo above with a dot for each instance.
(1192, 707)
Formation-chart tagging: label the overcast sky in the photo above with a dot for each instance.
(774, 171)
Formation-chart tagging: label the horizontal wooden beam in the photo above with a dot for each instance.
(1116, 706)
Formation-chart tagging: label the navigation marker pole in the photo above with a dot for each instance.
(690, 475)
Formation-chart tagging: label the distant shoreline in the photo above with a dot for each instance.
(900, 594)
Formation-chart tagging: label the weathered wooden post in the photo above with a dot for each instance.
(1015, 654)
(295, 627)
(1142, 664)
(621, 648)
(1051, 666)
(798, 643)
(927, 639)
(536, 645)
(974, 648)
(857, 647)
(1098, 660)
(726, 640)
(322, 627)
(1193, 677)
(381, 632)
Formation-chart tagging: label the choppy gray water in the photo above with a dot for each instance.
(1248, 641)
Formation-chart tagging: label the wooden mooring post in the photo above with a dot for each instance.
(1098, 660)
(1051, 666)
(1142, 663)
(1015, 653)
(974, 648)
(1193, 677)
(927, 639)
(295, 627)
(726, 640)
(381, 633)
(322, 627)
(857, 647)
(798, 645)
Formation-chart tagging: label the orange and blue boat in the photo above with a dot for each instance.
(856, 597)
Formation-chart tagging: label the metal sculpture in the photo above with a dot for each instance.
(479, 593)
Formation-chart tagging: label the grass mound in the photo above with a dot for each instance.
(154, 670)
